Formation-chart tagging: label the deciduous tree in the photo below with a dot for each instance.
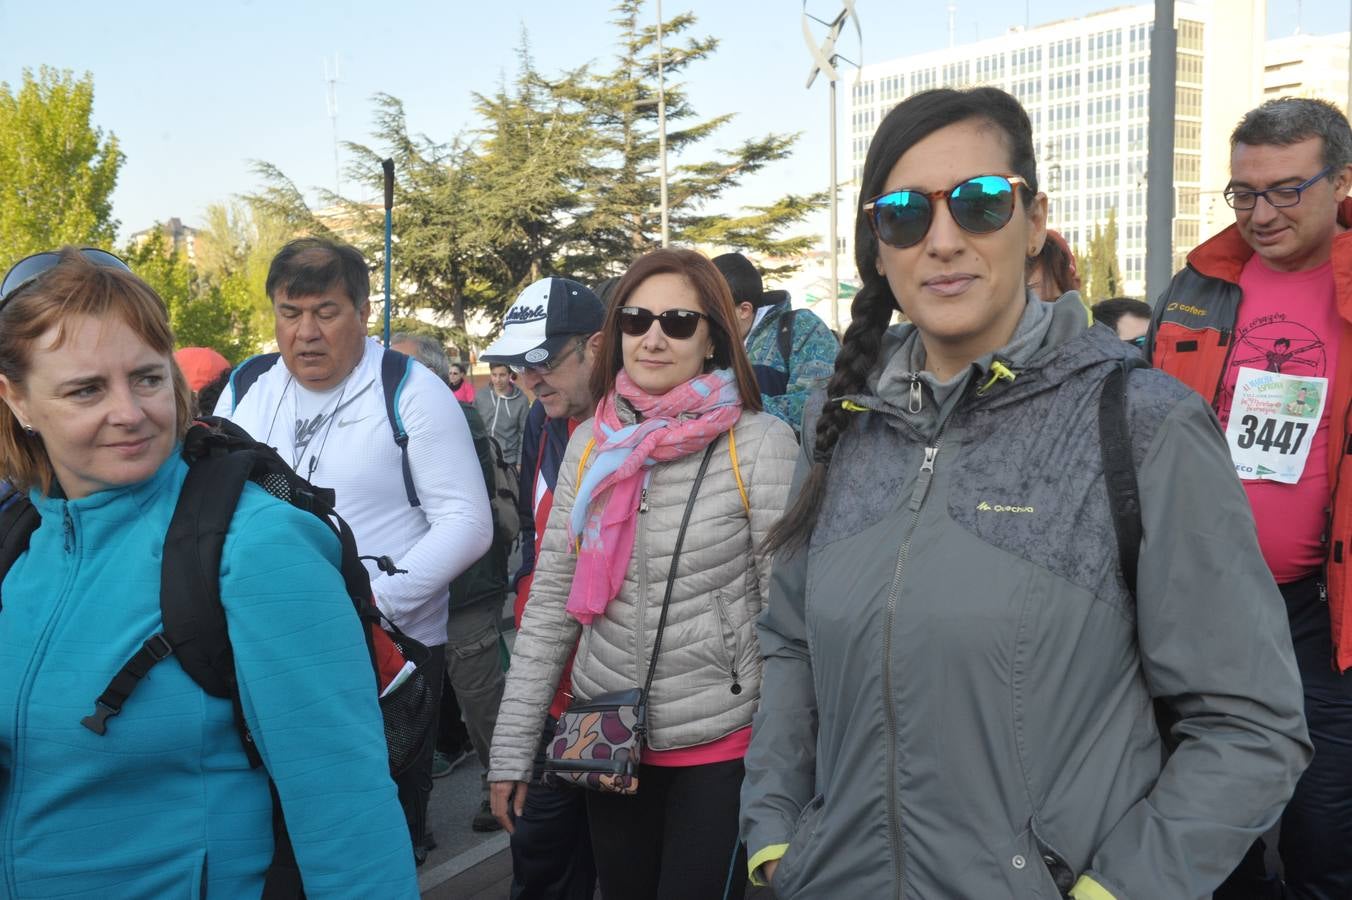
(57, 170)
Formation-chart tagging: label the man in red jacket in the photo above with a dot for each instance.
(1260, 323)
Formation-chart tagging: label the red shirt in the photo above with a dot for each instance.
(1288, 323)
(544, 502)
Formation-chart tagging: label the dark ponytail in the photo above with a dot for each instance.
(909, 122)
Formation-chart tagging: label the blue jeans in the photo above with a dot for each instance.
(1315, 845)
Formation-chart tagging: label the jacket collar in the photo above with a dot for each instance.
(105, 512)
(1223, 256)
(1068, 347)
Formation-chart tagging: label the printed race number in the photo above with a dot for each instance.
(1272, 424)
(1284, 437)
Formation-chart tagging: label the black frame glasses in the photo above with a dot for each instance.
(1277, 197)
(28, 270)
(982, 204)
(678, 324)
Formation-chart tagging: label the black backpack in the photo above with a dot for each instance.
(221, 458)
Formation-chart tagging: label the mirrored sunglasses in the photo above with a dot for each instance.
(28, 270)
(979, 205)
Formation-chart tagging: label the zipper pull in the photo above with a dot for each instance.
(922, 483)
(69, 528)
(736, 684)
(643, 501)
(917, 399)
(1323, 592)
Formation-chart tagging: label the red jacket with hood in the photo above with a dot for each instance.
(1191, 338)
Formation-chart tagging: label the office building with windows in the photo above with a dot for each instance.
(1085, 83)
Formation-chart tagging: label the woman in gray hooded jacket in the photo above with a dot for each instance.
(958, 682)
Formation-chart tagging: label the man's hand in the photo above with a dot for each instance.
(502, 794)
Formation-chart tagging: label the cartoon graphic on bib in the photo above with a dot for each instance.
(1279, 345)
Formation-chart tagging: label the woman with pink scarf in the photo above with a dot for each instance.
(673, 386)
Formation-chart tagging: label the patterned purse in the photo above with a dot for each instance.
(598, 743)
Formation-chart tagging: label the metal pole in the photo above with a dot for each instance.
(835, 245)
(1349, 61)
(388, 166)
(1159, 191)
(662, 126)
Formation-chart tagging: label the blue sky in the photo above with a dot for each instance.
(195, 91)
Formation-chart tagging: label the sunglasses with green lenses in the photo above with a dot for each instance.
(29, 269)
(979, 205)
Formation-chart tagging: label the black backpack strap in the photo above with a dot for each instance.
(190, 595)
(18, 520)
(394, 369)
(190, 577)
(1119, 467)
(785, 336)
(246, 373)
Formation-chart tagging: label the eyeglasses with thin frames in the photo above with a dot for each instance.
(1277, 198)
(550, 365)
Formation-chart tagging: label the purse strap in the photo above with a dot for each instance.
(671, 581)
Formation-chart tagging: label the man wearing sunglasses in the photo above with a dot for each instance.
(1262, 311)
(550, 338)
(792, 351)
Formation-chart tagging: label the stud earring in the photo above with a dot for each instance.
(30, 432)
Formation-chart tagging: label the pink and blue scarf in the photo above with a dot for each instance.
(604, 520)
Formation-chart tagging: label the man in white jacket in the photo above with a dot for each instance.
(321, 404)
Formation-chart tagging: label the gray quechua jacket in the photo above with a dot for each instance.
(958, 686)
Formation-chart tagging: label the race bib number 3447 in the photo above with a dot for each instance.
(1272, 423)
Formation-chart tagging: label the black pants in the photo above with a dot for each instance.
(551, 847)
(415, 785)
(676, 839)
(1315, 845)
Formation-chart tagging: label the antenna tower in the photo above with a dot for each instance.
(331, 80)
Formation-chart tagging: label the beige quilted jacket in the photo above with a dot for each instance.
(709, 670)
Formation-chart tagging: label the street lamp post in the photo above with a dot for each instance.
(1159, 187)
(662, 128)
(825, 60)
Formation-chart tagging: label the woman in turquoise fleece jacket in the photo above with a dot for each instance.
(165, 803)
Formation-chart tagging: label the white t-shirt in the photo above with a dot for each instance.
(341, 439)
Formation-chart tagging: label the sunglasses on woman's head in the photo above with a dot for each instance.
(29, 269)
(979, 205)
(676, 323)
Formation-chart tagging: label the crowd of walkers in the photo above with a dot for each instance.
(990, 597)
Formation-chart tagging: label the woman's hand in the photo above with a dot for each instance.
(501, 794)
(768, 870)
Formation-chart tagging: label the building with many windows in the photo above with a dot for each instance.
(1085, 83)
(1307, 65)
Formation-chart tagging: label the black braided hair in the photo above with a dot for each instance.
(909, 122)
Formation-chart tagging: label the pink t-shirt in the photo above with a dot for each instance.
(1288, 323)
(732, 746)
(464, 393)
